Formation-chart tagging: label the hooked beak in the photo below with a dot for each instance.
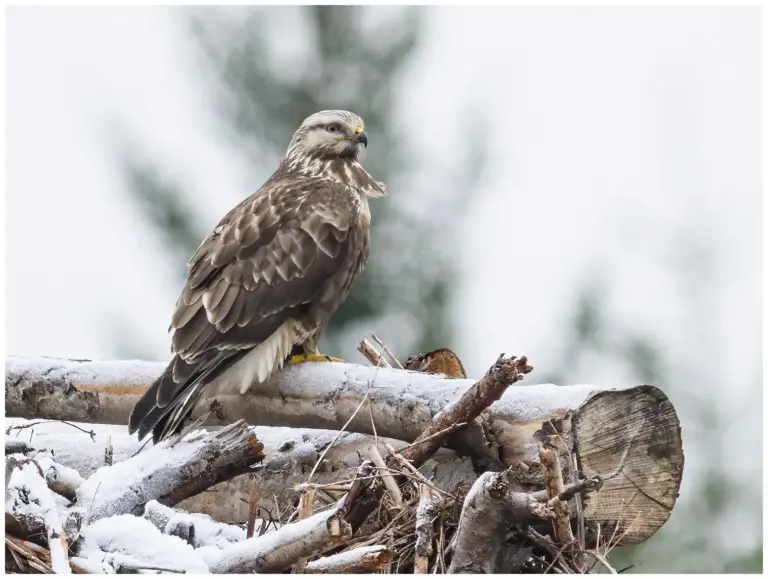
(362, 139)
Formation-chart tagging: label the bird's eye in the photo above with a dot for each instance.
(334, 128)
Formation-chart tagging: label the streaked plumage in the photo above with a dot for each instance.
(267, 279)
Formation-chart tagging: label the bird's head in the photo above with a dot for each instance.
(330, 134)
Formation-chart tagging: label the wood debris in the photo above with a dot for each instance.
(352, 504)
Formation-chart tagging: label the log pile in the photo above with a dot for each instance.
(382, 469)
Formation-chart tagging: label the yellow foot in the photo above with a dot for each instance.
(301, 358)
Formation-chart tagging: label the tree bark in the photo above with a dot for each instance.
(489, 508)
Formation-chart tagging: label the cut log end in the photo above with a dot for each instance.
(632, 440)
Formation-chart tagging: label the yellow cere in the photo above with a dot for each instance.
(358, 129)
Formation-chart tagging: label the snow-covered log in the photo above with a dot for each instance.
(275, 552)
(312, 395)
(630, 436)
(196, 529)
(175, 469)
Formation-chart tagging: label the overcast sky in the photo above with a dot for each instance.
(622, 140)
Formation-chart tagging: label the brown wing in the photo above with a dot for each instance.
(264, 263)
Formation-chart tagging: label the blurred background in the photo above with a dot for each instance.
(580, 185)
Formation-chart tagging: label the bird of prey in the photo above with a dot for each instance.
(264, 283)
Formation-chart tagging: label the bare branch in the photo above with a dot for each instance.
(387, 479)
(253, 507)
(480, 396)
(429, 503)
(395, 362)
(305, 511)
(372, 354)
(465, 409)
(555, 487)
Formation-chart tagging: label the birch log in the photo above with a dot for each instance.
(170, 472)
(630, 437)
(275, 552)
(372, 559)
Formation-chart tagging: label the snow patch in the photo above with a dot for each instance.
(28, 493)
(123, 372)
(127, 540)
(208, 532)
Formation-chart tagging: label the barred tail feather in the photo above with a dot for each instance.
(165, 406)
(147, 404)
(173, 416)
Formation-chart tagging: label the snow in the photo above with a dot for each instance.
(60, 473)
(59, 561)
(208, 532)
(75, 449)
(134, 541)
(40, 502)
(27, 479)
(529, 403)
(123, 372)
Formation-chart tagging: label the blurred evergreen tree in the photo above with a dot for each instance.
(269, 83)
